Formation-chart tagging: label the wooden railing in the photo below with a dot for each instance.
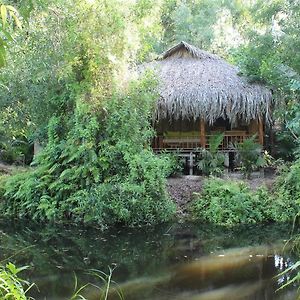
(192, 142)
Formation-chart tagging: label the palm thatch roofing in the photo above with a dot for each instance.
(196, 84)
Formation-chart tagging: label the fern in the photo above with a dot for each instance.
(99, 169)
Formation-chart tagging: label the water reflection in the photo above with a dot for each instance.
(173, 261)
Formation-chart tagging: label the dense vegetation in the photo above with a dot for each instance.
(65, 86)
(226, 202)
(101, 171)
(229, 203)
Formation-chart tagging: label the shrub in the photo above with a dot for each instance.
(249, 154)
(17, 150)
(2, 184)
(211, 162)
(102, 170)
(230, 202)
(287, 193)
(176, 164)
(12, 287)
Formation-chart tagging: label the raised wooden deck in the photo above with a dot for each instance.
(192, 143)
(187, 147)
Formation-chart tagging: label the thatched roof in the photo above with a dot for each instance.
(195, 83)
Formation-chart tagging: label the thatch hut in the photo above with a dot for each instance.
(201, 94)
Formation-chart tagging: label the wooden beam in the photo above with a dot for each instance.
(202, 133)
(260, 131)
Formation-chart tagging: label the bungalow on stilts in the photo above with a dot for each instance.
(201, 95)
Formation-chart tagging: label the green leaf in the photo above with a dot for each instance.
(17, 21)
(2, 54)
(11, 8)
(3, 15)
(7, 35)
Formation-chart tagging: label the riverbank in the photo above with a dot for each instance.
(181, 189)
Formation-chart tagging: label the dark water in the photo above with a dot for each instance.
(170, 261)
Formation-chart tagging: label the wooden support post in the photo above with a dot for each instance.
(191, 163)
(160, 142)
(260, 131)
(202, 133)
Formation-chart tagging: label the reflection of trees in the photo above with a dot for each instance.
(140, 252)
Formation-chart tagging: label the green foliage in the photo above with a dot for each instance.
(204, 23)
(74, 55)
(176, 164)
(69, 48)
(285, 146)
(11, 286)
(226, 202)
(14, 143)
(108, 285)
(211, 162)
(292, 272)
(293, 275)
(250, 155)
(287, 194)
(270, 55)
(9, 18)
(101, 171)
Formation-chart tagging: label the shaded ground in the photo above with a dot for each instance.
(5, 169)
(181, 189)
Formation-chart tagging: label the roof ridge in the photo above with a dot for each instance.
(193, 50)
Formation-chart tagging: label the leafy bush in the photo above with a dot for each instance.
(285, 145)
(15, 146)
(102, 170)
(249, 153)
(176, 164)
(230, 202)
(211, 162)
(287, 193)
(12, 287)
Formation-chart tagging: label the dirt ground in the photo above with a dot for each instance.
(5, 169)
(181, 189)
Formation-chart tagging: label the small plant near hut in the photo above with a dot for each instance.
(211, 162)
(250, 156)
(176, 164)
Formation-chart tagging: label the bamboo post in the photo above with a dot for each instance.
(202, 133)
(260, 131)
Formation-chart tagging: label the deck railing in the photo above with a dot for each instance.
(193, 142)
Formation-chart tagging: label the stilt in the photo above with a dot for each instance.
(202, 133)
(260, 131)
(191, 163)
